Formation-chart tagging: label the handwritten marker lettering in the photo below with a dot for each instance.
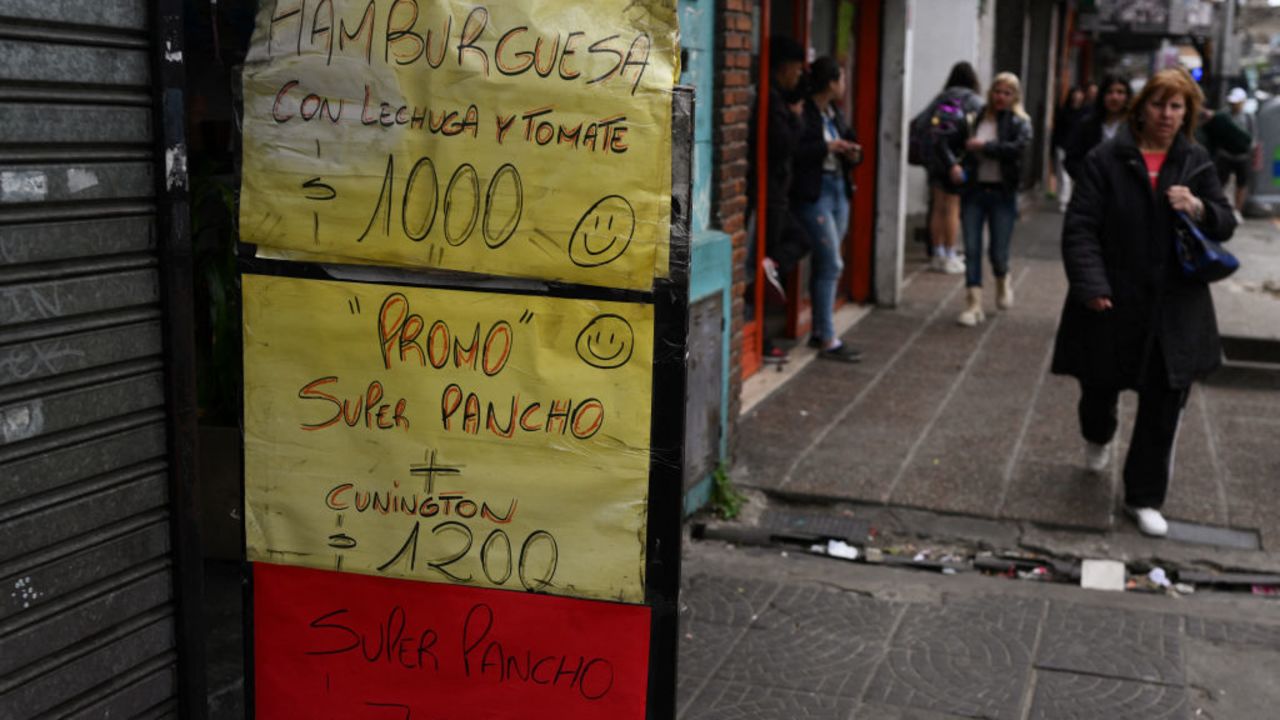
(406, 37)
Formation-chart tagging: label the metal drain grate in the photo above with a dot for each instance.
(817, 525)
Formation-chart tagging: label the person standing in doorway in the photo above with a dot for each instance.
(821, 190)
(947, 120)
(1239, 165)
(1131, 320)
(993, 164)
(1109, 112)
(786, 242)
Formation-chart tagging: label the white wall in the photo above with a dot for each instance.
(945, 32)
(891, 186)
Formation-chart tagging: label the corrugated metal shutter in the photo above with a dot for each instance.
(88, 625)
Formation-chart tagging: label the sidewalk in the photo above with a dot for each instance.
(970, 422)
(774, 637)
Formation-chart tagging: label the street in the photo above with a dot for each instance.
(949, 444)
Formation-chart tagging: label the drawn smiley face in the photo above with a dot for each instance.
(606, 342)
(603, 233)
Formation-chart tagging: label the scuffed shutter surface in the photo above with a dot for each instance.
(86, 587)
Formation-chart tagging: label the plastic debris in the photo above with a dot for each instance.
(875, 555)
(1036, 573)
(1266, 590)
(841, 549)
(1158, 576)
(949, 571)
(1183, 588)
(1102, 575)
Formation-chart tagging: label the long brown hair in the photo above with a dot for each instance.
(1168, 82)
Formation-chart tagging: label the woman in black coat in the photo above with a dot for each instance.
(1131, 320)
(1109, 114)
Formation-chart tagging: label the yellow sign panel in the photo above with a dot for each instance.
(528, 139)
(496, 440)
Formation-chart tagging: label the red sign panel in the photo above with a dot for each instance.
(356, 647)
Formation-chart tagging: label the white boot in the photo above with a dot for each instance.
(1004, 293)
(972, 314)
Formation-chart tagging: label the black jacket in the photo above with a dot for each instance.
(784, 133)
(1066, 121)
(811, 152)
(1013, 135)
(946, 154)
(1087, 136)
(1117, 242)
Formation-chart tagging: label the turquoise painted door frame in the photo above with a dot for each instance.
(711, 264)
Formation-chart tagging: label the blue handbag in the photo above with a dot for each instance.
(1199, 257)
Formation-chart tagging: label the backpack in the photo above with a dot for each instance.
(943, 122)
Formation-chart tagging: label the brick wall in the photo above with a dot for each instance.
(734, 98)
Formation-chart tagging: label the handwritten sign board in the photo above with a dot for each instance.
(355, 647)
(526, 139)
(494, 440)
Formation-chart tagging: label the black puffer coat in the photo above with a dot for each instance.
(1117, 242)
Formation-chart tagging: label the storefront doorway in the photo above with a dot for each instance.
(848, 30)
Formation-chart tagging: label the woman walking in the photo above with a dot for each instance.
(820, 189)
(950, 115)
(994, 167)
(1109, 113)
(1131, 320)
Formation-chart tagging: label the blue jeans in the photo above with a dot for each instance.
(998, 209)
(827, 220)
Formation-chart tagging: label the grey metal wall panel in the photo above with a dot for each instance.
(46, 580)
(69, 518)
(87, 593)
(702, 420)
(48, 357)
(84, 458)
(48, 684)
(31, 418)
(153, 689)
(75, 182)
(72, 64)
(43, 242)
(122, 14)
(37, 123)
(29, 302)
(76, 622)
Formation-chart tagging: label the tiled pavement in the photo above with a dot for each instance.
(763, 649)
(970, 421)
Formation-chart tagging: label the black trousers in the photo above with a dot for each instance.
(1150, 460)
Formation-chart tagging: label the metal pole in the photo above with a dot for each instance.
(176, 267)
(1228, 31)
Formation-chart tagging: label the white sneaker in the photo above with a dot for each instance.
(953, 266)
(1150, 521)
(1238, 216)
(1097, 457)
(771, 277)
(938, 263)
